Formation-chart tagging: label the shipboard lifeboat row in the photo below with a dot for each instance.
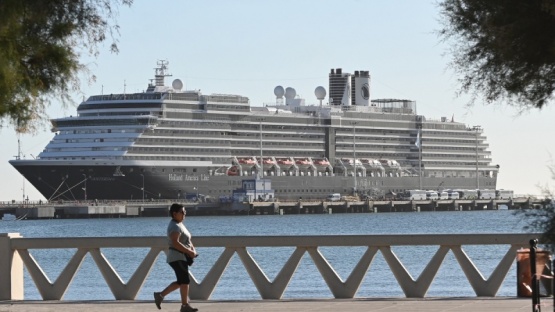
(371, 163)
(279, 165)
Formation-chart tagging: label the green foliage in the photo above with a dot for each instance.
(41, 43)
(503, 49)
(543, 220)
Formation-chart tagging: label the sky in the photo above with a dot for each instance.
(248, 47)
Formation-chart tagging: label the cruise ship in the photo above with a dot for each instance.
(169, 143)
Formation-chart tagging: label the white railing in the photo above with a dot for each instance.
(14, 255)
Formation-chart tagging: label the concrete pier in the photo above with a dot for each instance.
(125, 209)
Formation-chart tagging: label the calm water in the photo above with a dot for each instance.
(307, 282)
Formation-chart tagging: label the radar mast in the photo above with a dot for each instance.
(160, 72)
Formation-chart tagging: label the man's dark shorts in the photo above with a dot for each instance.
(181, 271)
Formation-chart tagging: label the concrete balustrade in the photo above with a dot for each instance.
(15, 254)
(11, 269)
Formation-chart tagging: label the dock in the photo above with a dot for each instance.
(377, 206)
(159, 208)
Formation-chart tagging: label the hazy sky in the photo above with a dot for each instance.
(249, 47)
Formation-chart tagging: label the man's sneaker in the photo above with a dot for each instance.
(158, 299)
(188, 308)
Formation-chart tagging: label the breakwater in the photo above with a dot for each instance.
(123, 209)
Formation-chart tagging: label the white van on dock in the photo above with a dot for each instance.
(334, 197)
(443, 195)
(414, 195)
(504, 194)
(453, 195)
(486, 194)
(432, 195)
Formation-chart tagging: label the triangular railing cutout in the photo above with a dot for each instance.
(339, 288)
(121, 290)
(203, 290)
(419, 287)
(47, 289)
(485, 287)
(266, 288)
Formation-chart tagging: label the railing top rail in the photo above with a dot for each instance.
(279, 241)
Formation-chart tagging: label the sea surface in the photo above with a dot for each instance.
(307, 282)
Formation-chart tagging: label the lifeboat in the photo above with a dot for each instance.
(321, 162)
(387, 163)
(371, 163)
(285, 161)
(233, 171)
(303, 162)
(247, 161)
(347, 161)
(269, 161)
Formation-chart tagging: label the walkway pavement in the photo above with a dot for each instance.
(348, 305)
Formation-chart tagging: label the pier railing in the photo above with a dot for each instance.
(16, 253)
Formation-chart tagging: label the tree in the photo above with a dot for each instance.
(502, 49)
(41, 44)
(543, 220)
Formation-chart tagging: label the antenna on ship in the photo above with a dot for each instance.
(320, 93)
(18, 157)
(160, 72)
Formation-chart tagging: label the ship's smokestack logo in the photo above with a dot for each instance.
(365, 91)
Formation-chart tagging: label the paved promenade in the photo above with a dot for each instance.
(354, 305)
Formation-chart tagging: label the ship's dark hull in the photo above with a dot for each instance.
(111, 182)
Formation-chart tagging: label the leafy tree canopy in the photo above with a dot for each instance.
(41, 42)
(503, 49)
